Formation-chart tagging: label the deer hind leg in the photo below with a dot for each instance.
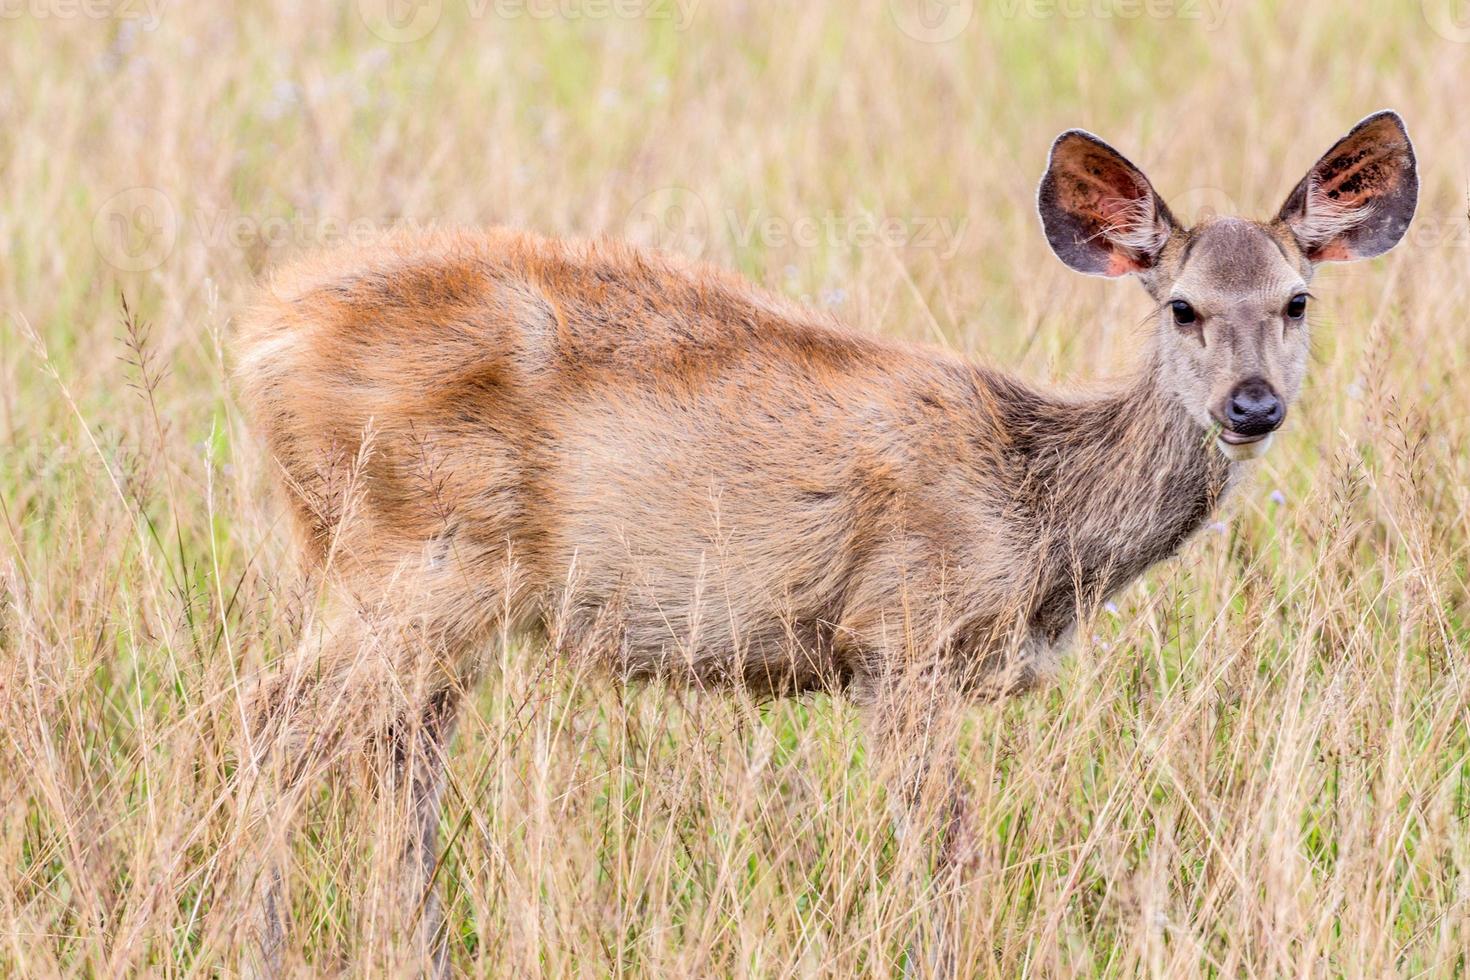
(294, 733)
(420, 759)
(366, 677)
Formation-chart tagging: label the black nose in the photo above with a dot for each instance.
(1254, 408)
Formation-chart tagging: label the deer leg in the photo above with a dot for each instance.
(263, 954)
(421, 765)
(325, 706)
(912, 727)
(292, 736)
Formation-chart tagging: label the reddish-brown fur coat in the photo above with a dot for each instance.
(690, 476)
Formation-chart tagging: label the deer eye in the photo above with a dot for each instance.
(1297, 307)
(1184, 314)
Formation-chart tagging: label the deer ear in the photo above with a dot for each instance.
(1099, 211)
(1356, 202)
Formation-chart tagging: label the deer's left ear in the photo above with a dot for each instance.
(1100, 213)
(1356, 202)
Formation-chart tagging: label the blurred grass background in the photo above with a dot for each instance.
(1254, 766)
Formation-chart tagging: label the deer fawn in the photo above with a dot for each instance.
(661, 467)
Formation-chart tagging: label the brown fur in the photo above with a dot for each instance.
(671, 472)
(702, 474)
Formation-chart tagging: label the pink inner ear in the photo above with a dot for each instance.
(1367, 165)
(1115, 194)
(1099, 183)
(1108, 220)
(1359, 181)
(1120, 263)
(1115, 212)
(1348, 183)
(1333, 251)
(1338, 205)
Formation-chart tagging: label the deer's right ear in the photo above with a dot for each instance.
(1357, 201)
(1100, 213)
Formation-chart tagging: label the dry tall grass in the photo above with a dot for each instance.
(1255, 767)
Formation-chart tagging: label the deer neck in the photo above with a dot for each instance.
(1116, 483)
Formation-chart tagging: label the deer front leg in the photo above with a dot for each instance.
(912, 726)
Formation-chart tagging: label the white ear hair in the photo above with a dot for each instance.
(1136, 225)
(1358, 198)
(1326, 218)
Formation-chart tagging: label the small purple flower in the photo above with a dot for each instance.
(1277, 497)
(1217, 527)
(1110, 607)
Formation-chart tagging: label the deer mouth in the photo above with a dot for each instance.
(1240, 439)
(1239, 447)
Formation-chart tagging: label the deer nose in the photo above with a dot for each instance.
(1254, 409)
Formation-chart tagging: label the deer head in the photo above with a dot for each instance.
(1231, 338)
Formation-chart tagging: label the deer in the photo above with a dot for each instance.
(652, 465)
